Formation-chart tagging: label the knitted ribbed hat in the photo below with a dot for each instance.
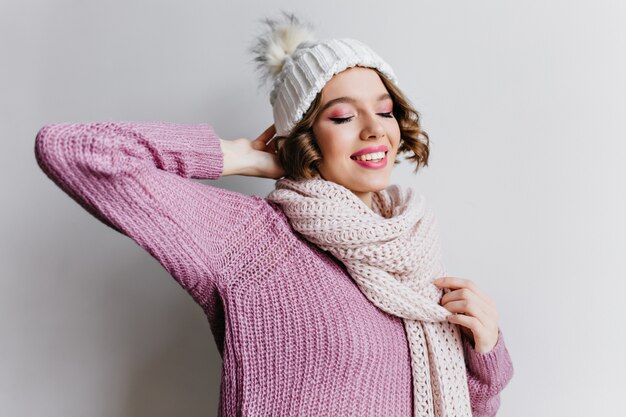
(300, 66)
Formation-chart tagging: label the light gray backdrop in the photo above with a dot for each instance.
(524, 102)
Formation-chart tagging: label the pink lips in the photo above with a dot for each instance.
(373, 165)
(370, 149)
(370, 164)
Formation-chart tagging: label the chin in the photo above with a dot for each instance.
(374, 186)
(362, 184)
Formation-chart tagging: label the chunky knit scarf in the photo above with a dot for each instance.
(392, 251)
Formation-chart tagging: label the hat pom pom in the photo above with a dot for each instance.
(281, 38)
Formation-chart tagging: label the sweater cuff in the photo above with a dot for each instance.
(208, 163)
(189, 150)
(494, 367)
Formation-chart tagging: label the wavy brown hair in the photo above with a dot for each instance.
(300, 155)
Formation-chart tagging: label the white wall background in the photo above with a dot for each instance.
(524, 102)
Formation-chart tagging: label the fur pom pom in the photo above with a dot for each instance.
(280, 40)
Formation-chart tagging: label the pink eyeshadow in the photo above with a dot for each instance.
(339, 114)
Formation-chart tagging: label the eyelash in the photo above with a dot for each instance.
(338, 120)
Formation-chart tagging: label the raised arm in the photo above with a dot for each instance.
(135, 177)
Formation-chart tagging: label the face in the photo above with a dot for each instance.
(357, 123)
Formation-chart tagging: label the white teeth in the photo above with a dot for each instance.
(370, 156)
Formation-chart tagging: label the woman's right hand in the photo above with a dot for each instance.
(254, 158)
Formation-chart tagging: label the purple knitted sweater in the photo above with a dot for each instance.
(296, 335)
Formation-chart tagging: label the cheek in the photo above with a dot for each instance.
(332, 152)
(333, 143)
(396, 135)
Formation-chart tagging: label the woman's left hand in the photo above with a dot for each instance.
(474, 311)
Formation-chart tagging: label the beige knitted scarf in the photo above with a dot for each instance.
(392, 251)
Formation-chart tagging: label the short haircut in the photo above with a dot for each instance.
(299, 154)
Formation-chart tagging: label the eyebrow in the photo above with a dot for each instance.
(351, 100)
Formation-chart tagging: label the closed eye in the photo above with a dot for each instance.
(339, 120)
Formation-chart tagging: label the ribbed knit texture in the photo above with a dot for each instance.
(306, 72)
(296, 334)
(393, 253)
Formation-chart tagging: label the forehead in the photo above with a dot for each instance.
(356, 82)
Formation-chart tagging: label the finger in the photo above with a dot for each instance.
(470, 297)
(458, 283)
(464, 294)
(264, 142)
(270, 146)
(481, 333)
(460, 294)
(267, 134)
(461, 283)
(486, 316)
(469, 309)
(469, 322)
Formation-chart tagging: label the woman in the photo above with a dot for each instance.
(320, 296)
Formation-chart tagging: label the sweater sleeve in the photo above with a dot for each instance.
(135, 177)
(487, 375)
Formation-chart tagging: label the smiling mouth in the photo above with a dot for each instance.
(377, 157)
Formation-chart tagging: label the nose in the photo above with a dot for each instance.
(372, 127)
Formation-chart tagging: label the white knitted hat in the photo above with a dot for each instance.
(300, 66)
